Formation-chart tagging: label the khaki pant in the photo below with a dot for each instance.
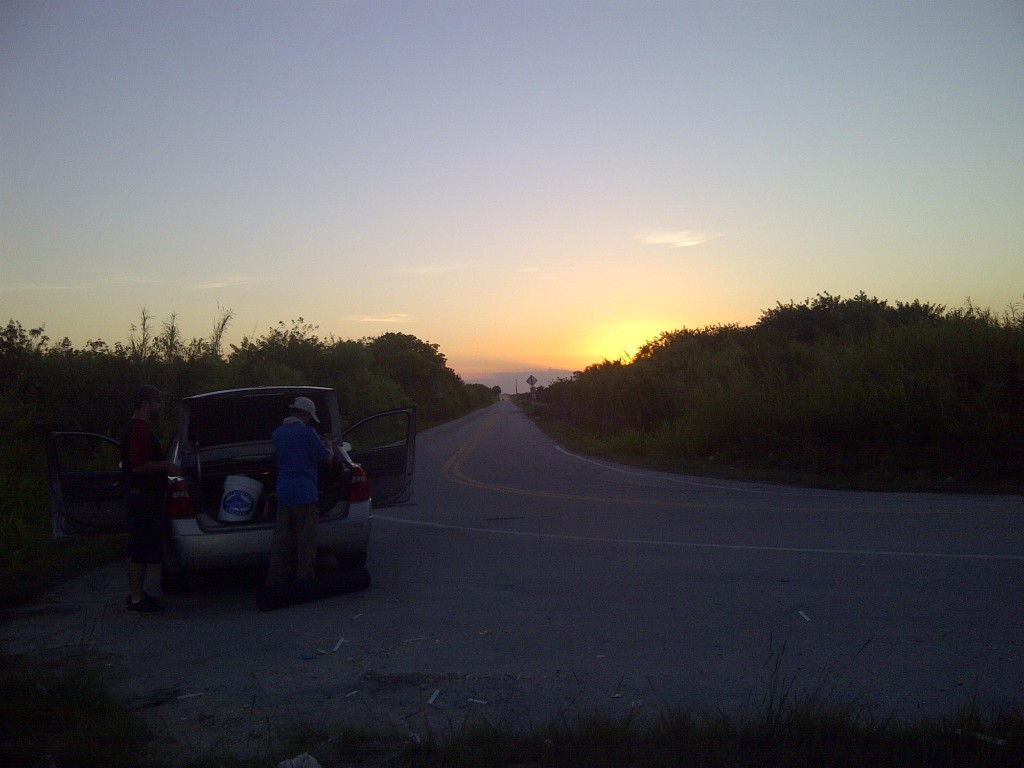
(293, 549)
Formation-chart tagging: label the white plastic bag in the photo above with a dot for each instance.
(305, 760)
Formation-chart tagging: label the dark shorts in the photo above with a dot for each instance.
(145, 526)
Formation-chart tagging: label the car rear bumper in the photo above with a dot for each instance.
(199, 546)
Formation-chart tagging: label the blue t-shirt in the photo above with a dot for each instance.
(299, 450)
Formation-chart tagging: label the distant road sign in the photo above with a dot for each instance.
(532, 381)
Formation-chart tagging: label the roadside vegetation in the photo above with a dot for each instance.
(59, 715)
(839, 392)
(851, 393)
(798, 735)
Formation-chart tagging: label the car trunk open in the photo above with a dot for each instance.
(209, 477)
(229, 436)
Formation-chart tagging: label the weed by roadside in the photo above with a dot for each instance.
(803, 735)
(60, 715)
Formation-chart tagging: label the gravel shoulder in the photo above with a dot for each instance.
(213, 675)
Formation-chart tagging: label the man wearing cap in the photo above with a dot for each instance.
(145, 469)
(299, 450)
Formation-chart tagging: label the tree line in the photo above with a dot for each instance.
(47, 386)
(831, 386)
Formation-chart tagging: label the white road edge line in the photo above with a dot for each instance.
(700, 545)
(749, 487)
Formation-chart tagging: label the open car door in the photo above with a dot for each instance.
(86, 485)
(384, 445)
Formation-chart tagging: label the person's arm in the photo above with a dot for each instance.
(324, 450)
(166, 467)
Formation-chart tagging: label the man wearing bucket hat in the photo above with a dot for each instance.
(298, 450)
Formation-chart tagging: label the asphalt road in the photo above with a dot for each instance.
(526, 583)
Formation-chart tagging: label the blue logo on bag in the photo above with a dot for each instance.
(238, 502)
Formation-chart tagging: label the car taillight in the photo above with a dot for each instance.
(359, 488)
(179, 502)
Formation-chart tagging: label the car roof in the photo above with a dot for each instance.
(249, 391)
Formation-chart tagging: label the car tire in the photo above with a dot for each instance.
(349, 561)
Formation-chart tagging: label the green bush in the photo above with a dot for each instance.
(854, 388)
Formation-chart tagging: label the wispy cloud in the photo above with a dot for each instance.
(684, 238)
(558, 270)
(227, 281)
(398, 317)
(48, 287)
(84, 285)
(430, 269)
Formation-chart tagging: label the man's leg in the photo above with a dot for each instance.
(136, 580)
(279, 571)
(145, 525)
(305, 544)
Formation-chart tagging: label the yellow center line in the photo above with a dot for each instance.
(453, 469)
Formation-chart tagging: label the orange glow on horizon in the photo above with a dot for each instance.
(621, 340)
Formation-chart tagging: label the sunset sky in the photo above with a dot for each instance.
(529, 185)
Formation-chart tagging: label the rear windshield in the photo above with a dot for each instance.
(245, 418)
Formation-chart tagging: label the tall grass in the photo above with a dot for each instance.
(31, 560)
(805, 735)
(60, 715)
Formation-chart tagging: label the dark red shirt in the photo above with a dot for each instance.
(139, 446)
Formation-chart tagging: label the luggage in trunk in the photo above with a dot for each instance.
(218, 480)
